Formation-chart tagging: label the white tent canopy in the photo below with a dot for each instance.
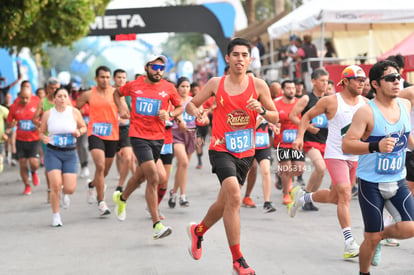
(337, 15)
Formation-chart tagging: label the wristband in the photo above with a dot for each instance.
(170, 114)
(264, 111)
(373, 147)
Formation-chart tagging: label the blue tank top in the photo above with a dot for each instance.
(388, 167)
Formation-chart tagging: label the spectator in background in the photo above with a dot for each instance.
(399, 59)
(260, 46)
(308, 50)
(275, 90)
(330, 49)
(4, 90)
(256, 64)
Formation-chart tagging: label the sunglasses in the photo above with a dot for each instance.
(359, 79)
(157, 67)
(391, 77)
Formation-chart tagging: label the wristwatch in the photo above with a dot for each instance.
(264, 111)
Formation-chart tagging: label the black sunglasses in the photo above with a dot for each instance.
(157, 67)
(391, 77)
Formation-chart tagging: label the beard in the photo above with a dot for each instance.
(290, 97)
(152, 78)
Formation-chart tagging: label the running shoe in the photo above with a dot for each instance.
(268, 207)
(377, 256)
(91, 195)
(120, 206)
(103, 209)
(309, 206)
(14, 162)
(184, 202)
(35, 179)
(351, 250)
(199, 166)
(287, 199)
(240, 267)
(27, 190)
(56, 221)
(173, 199)
(354, 192)
(194, 248)
(161, 231)
(391, 242)
(84, 172)
(296, 194)
(248, 202)
(64, 200)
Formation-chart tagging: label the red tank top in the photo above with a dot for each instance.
(233, 124)
(288, 129)
(103, 116)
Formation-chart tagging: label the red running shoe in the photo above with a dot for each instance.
(195, 246)
(35, 179)
(27, 190)
(240, 267)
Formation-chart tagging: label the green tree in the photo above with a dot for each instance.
(183, 45)
(30, 23)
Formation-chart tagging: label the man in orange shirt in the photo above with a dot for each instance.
(103, 132)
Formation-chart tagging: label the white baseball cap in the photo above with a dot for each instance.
(152, 57)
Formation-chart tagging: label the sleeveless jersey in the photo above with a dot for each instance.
(338, 126)
(46, 104)
(319, 122)
(386, 167)
(61, 126)
(190, 121)
(233, 124)
(103, 115)
(288, 129)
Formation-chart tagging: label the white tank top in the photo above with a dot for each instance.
(61, 126)
(338, 126)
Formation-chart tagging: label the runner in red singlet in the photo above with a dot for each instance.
(239, 99)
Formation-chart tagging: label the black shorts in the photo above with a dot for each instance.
(261, 154)
(226, 165)
(124, 140)
(288, 154)
(409, 165)
(145, 149)
(167, 159)
(202, 131)
(27, 149)
(108, 146)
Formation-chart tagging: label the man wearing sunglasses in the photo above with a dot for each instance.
(150, 99)
(339, 109)
(380, 134)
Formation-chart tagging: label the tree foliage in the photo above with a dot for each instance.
(183, 45)
(30, 23)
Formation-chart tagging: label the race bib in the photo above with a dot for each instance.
(390, 163)
(166, 149)
(239, 141)
(289, 135)
(102, 129)
(26, 125)
(320, 121)
(63, 140)
(262, 139)
(187, 117)
(147, 106)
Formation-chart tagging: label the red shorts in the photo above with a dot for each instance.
(307, 145)
(341, 171)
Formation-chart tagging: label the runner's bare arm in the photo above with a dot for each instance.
(210, 89)
(265, 107)
(121, 104)
(83, 99)
(80, 123)
(37, 113)
(298, 108)
(43, 128)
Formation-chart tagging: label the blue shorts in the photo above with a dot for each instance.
(65, 161)
(395, 196)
